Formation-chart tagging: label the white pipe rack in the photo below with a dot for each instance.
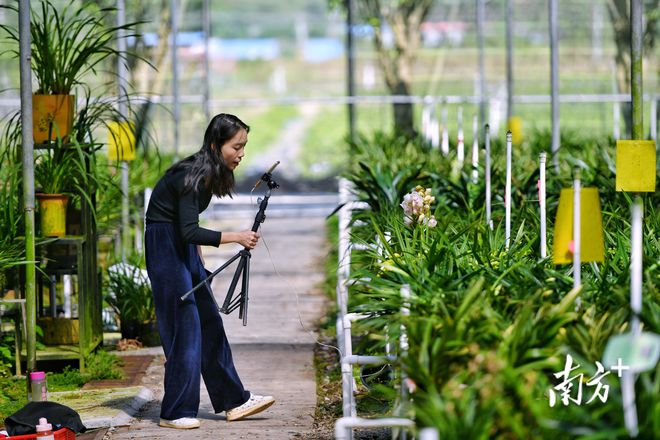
(344, 426)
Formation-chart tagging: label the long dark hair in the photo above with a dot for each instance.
(207, 167)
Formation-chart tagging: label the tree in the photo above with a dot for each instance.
(404, 17)
(619, 12)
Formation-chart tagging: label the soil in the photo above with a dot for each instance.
(329, 400)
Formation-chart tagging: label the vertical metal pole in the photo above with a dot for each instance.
(554, 80)
(122, 74)
(489, 221)
(125, 229)
(481, 16)
(597, 31)
(507, 191)
(174, 6)
(654, 120)
(577, 190)
(350, 67)
(509, 60)
(616, 116)
(636, 252)
(206, 19)
(542, 159)
(28, 180)
(122, 71)
(636, 11)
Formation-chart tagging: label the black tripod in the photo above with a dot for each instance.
(242, 273)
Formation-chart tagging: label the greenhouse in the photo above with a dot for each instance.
(329, 219)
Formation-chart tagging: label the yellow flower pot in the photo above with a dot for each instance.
(52, 208)
(52, 117)
(60, 331)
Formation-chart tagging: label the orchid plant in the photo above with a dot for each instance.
(417, 207)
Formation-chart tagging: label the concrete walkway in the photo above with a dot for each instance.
(274, 352)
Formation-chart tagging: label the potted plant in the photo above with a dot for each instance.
(129, 294)
(67, 44)
(58, 172)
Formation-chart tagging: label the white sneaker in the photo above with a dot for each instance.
(182, 423)
(254, 405)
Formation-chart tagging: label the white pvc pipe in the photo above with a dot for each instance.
(636, 252)
(344, 426)
(577, 273)
(460, 145)
(542, 160)
(348, 400)
(429, 434)
(507, 192)
(435, 130)
(342, 292)
(445, 132)
(489, 221)
(426, 119)
(403, 343)
(344, 255)
(475, 149)
(68, 292)
(355, 359)
(629, 405)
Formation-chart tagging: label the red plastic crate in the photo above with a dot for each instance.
(60, 434)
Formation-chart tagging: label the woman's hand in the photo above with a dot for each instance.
(247, 238)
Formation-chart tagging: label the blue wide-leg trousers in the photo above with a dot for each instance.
(191, 331)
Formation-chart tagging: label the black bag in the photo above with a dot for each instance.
(25, 420)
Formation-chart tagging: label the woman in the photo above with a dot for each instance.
(191, 331)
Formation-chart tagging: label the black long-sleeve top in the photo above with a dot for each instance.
(171, 202)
